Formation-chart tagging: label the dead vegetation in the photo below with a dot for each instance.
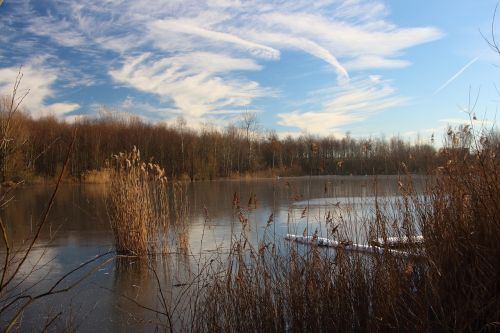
(139, 204)
(453, 286)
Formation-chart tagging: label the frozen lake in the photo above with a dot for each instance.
(79, 229)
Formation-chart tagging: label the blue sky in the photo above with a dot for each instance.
(323, 67)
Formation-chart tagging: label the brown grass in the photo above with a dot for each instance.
(138, 205)
(180, 212)
(451, 283)
(448, 283)
(144, 208)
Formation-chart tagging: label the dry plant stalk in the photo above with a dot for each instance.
(20, 261)
(180, 211)
(453, 286)
(447, 283)
(138, 205)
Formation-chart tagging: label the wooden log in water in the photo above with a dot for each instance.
(399, 241)
(325, 242)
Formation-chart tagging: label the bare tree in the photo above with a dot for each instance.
(18, 261)
(491, 40)
(10, 139)
(181, 127)
(249, 123)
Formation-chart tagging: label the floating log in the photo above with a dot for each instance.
(325, 242)
(399, 241)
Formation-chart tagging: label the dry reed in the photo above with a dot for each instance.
(180, 213)
(138, 205)
(449, 283)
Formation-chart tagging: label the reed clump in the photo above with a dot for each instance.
(180, 215)
(138, 205)
(450, 282)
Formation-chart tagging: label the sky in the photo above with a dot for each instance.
(324, 67)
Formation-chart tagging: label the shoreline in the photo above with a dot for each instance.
(246, 178)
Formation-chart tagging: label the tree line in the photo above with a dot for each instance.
(38, 147)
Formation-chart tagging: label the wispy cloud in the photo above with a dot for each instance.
(478, 123)
(194, 82)
(195, 56)
(353, 101)
(370, 61)
(61, 31)
(183, 27)
(37, 82)
(146, 110)
(57, 109)
(455, 76)
(350, 40)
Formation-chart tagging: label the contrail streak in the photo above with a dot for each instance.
(457, 74)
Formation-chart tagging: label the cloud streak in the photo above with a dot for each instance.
(350, 102)
(455, 76)
(178, 26)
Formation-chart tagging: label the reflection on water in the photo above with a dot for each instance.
(109, 300)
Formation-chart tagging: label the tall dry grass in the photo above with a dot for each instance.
(461, 226)
(180, 215)
(145, 210)
(138, 205)
(449, 283)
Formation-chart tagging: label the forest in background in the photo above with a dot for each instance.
(38, 148)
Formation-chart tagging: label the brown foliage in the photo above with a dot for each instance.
(206, 154)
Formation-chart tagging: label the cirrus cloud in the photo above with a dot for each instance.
(352, 101)
(198, 57)
(195, 82)
(36, 83)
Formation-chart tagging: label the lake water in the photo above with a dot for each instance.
(79, 229)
